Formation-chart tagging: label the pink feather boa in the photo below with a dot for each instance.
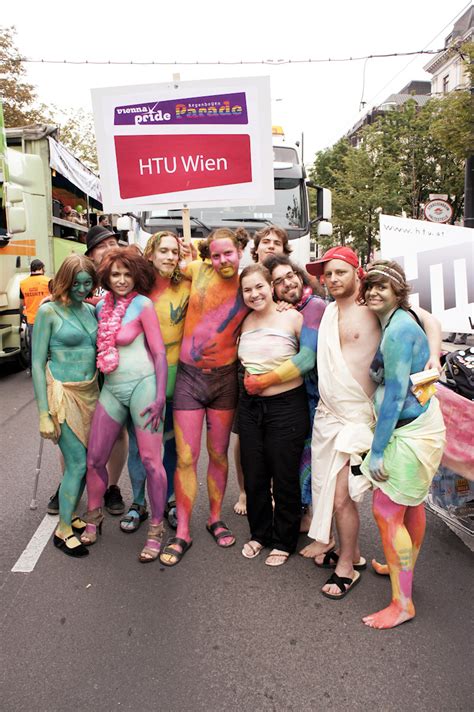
(110, 321)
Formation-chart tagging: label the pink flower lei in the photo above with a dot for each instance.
(110, 320)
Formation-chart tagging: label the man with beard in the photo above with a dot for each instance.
(344, 420)
(291, 287)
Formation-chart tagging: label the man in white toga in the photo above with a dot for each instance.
(348, 339)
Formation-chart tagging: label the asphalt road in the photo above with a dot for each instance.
(218, 632)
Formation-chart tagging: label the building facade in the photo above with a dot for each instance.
(447, 68)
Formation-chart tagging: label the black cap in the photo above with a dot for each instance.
(96, 235)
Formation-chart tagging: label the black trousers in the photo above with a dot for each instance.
(272, 433)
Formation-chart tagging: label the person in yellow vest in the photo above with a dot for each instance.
(33, 290)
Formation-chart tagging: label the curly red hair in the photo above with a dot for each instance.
(142, 272)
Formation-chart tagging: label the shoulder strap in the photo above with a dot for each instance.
(416, 318)
(56, 311)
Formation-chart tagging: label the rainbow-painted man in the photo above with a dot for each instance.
(206, 384)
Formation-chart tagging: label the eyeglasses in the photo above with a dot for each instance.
(286, 277)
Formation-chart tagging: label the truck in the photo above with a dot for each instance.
(291, 210)
(39, 176)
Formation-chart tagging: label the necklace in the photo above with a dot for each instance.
(110, 322)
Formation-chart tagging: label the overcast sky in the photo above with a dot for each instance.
(321, 100)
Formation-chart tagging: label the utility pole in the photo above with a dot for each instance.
(469, 174)
(469, 192)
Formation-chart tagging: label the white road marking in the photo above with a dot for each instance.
(28, 560)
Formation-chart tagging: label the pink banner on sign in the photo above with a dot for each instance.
(154, 165)
(458, 414)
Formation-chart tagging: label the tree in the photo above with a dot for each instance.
(324, 172)
(19, 97)
(76, 131)
(21, 106)
(402, 157)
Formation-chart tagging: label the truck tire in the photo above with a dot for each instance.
(23, 357)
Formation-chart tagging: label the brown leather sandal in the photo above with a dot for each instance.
(152, 548)
(93, 520)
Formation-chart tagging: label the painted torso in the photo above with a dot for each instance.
(171, 304)
(72, 346)
(135, 360)
(214, 317)
(401, 329)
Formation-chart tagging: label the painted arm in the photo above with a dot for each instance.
(41, 337)
(187, 269)
(432, 329)
(151, 328)
(397, 354)
(302, 362)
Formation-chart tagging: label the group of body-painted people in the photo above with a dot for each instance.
(167, 339)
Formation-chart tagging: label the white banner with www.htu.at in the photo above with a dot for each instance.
(439, 264)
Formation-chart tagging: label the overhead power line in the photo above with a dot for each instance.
(272, 62)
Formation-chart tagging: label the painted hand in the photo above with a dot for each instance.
(254, 385)
(283, 306)
(155, 411)
(188, 251)
(376, 469)
(47, 427)
(203, 350)
(433, 362)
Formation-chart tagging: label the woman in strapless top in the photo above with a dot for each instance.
(65, 382)
(131, 354)
(272, 425)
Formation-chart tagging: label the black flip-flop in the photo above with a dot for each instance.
(211, 528)
(331, 558)
(185, 545)
(341, 582)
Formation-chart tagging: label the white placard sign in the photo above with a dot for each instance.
(185, 144)
(439, 264)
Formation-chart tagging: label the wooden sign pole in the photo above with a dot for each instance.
(186, 216)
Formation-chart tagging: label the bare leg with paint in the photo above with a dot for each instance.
(415, 522)
(219, 423)
(187, 428)
(401, 555)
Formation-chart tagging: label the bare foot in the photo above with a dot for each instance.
(316, 549)
(240, 507)
(391, 616)
(381, 569)
(306, 520)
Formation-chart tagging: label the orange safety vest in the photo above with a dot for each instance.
(33, 289)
